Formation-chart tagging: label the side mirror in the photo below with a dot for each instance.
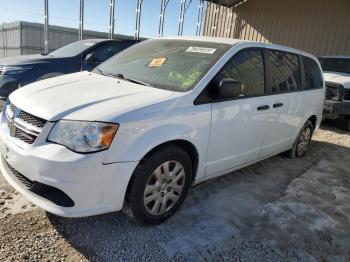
(226, 88)
(89, 58)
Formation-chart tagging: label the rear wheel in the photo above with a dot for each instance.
(303, 140)
(160, 184)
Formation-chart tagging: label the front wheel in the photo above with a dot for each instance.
(160, 184)
(303, 140)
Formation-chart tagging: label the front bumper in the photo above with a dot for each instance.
(335, 109)
(94, 187)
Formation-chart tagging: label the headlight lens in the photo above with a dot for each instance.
(82, 136)
(333, 92)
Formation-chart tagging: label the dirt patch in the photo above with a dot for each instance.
(276, 210)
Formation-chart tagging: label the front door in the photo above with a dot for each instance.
(238, 126)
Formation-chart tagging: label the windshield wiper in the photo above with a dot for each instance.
(121, 76)
(103, 73)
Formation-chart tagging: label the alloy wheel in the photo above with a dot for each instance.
(304, 141)
(164, 187)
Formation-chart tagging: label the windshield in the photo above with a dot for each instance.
(175, 65)
(341, 65)
(72, 49)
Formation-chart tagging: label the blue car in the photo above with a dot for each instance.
(78, 56)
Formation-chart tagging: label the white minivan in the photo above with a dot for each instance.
(162, 115)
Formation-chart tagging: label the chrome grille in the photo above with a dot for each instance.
(22, 125)
(33, 120)
(25, 181)
(27, 138)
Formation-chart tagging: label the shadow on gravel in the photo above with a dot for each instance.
(336, 125)
(279, 208)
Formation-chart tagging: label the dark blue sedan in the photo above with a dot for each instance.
(78, 56)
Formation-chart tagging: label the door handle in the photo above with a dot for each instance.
(277, 105)
(264, 107)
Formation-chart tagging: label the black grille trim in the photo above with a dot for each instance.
(50, 193)
(25, 137)
(25, 181)
(21, 131)
(32, 120)
(346, 94)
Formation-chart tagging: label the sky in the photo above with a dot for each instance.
(66, 13)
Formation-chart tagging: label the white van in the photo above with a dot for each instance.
(155, 119)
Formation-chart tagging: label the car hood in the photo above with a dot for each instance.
(85, 96)
(25, 60)
(339, 78)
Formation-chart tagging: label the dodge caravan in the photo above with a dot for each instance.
(139, 130)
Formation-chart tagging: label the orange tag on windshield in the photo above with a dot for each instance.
(157, 62)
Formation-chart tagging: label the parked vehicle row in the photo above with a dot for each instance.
(141, 128)
(78, 56)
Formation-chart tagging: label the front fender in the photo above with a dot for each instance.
(145, 140)
(135, 139)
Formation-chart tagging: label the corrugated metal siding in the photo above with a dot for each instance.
(320, 27)
(9, 39)
(28, 38)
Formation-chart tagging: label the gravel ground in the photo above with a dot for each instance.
(277, 210)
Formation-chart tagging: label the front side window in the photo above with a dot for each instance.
(313, 75)
(247, 67)
(175, 65)
(284, 72)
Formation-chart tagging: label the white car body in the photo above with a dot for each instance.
(338, 78)
(226, 136)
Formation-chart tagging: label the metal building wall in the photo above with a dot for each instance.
(321, 27)
(10, 39)
(21, 38)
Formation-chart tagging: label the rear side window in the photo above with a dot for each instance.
(285, 71)
(313, 75)
(247, 66)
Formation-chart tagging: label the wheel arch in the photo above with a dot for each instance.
(313, 120)
(186, 145)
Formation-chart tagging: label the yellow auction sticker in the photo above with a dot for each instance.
(157, 62)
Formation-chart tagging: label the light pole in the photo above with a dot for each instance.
(46, 26)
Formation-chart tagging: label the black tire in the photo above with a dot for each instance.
(294, 152)
(142, 176)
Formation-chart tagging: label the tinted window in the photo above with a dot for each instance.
(341, 65)
(73, 49)
(284, 72)
(313, 77)
(247, 67)
(102, 53)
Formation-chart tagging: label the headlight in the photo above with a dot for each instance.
(333, 92)
(15, 70)
(82, 136)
